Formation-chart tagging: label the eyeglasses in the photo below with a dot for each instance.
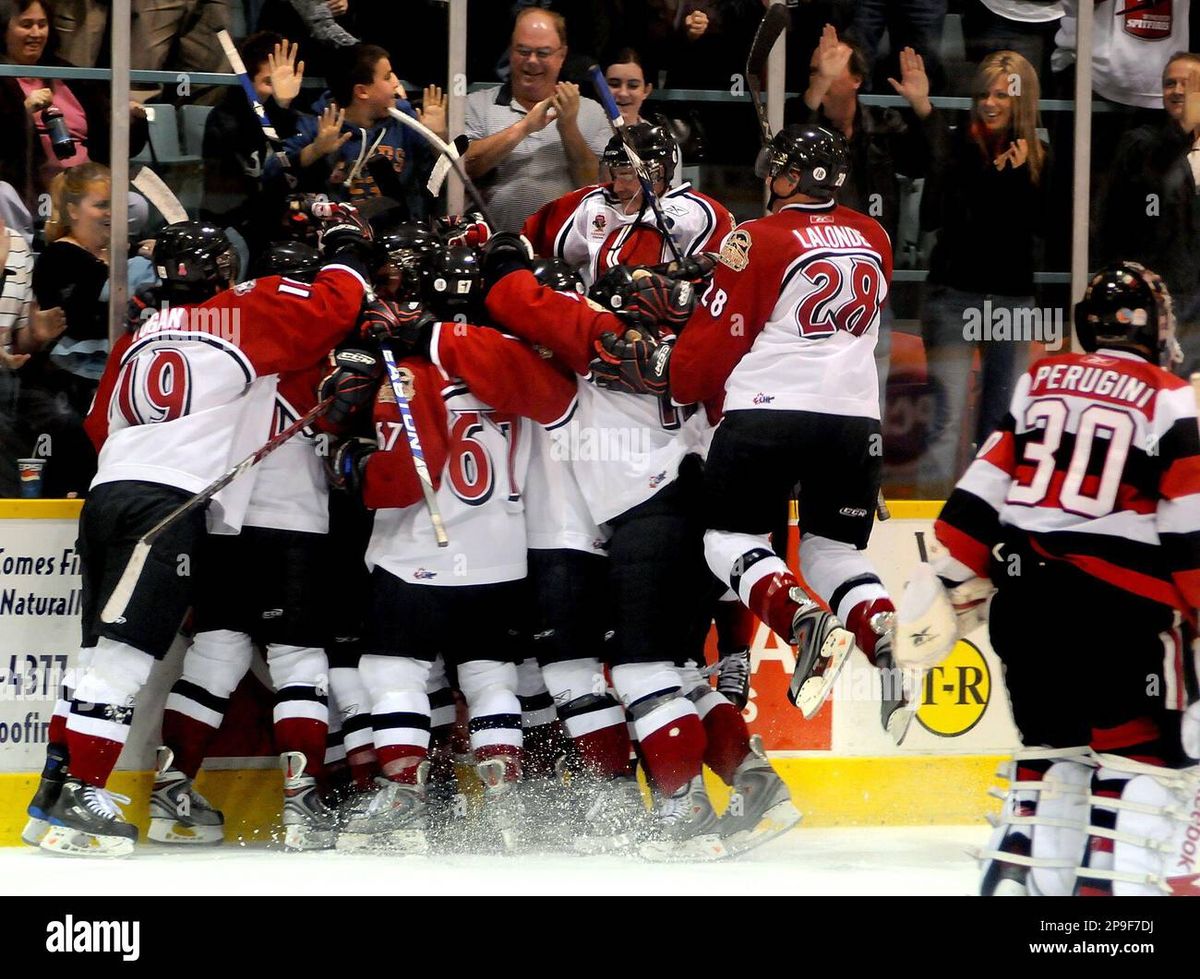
(542, 54)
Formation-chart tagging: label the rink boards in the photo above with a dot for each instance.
(842, 768)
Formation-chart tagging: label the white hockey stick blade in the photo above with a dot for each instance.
(446, 150)
(118, 601)
(150, 185)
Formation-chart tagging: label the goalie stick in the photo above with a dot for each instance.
(617, 122)
(118, 601)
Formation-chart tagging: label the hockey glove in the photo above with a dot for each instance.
(345, 465)
(352, 383)
(647, 298)
(465, 229)
(344, 232)
(634, 363)
(504, 253)
(407, 325)
(696, 269)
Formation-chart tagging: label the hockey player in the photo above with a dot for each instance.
(264, 586)
(784, 337)
(1088, 493)
(646, 495)
(193, 392)
(598, 228)
(470, 390)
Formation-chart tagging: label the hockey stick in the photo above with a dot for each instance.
(774, 23)
(150, 185)
(414, 443)
(114, 608)
(450, 154)
(617, 122)
(239, 68)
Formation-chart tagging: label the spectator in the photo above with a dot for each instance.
(627, 81)
(354, 149)
(534, 139)
(322, 28)
(1150, 211)
(179, 35)
(27, 157)
(57, 385)
(985, 195)
(235, 149)
(909, 23)
(883, 144)
(1024, 26)
(82, 27)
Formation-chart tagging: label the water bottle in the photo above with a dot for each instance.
(61, 140)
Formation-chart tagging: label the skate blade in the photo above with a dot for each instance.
(60, 839)
(171, 831)
(698, 849)
(300, 838)
(35, 830)
(397, 841)
(815, 690)
(774, 823)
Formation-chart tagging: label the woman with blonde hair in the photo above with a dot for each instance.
(985, 196)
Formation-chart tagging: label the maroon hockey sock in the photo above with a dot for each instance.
(511, 754)
(728, 741)
(92, 759)
(674, 754)
(401, 762)
(736, 626)
(771, 601)
(56, 733)
(606, 753)
(364, 766)
(859, 623)
(1139, 740)
(306, 735)
(188, 738)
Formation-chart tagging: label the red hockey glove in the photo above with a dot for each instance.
(408, 325)
(352, 383)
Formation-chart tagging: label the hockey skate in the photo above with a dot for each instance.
(503, 809)
(394, 819)
(733, 678)
(896, 711)
(308, 824)
(85, 821)
(822, 648)
(178, 813)
(616, 817)
(688, 829)
(54, 773)
(760, 807)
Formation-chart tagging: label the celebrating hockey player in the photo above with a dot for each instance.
(192, 392)
(1088, 493)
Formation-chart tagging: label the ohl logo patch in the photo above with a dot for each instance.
(956, 692)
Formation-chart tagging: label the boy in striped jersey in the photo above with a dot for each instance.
(1087, 497)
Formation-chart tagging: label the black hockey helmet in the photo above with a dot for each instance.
(558, 275)
(405, 251)
(654, 144)
(291, 258)
(452, 280)
(819, 157)
(1128, 307)
(195, 256)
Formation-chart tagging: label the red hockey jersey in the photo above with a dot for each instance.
(1097, 463)
(790, 319)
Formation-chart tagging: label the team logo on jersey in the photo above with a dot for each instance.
(956, 692)
(407, 388)
(763, 399)
(1150, 20)
(599, 224)
(244, 287)
(735, 250)
(658, 479)
(424, 574)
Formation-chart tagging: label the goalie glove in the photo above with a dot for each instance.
(633, 362)
(345, 465)
(926, 626)
(408, 326)
(352, 383)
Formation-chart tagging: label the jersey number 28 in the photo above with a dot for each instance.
(846, 295)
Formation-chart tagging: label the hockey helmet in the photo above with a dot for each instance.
(653, 144)
(294, 259)
(558, 275)
(453, 280)
(645, 298)
(405, 251)
(1127, 307)
(819, 157)
(196, 256)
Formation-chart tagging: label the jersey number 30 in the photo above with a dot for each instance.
(845, 296)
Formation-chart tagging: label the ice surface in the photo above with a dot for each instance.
(855, 861)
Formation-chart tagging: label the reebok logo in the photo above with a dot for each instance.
(70, 935)
(1191, 836)
(920, 638)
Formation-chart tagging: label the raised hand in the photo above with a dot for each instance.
(695, 23)
(329, 131)
(286, 76)
(433, 110)
(913, 86)
(566, 102)
(833, 56)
